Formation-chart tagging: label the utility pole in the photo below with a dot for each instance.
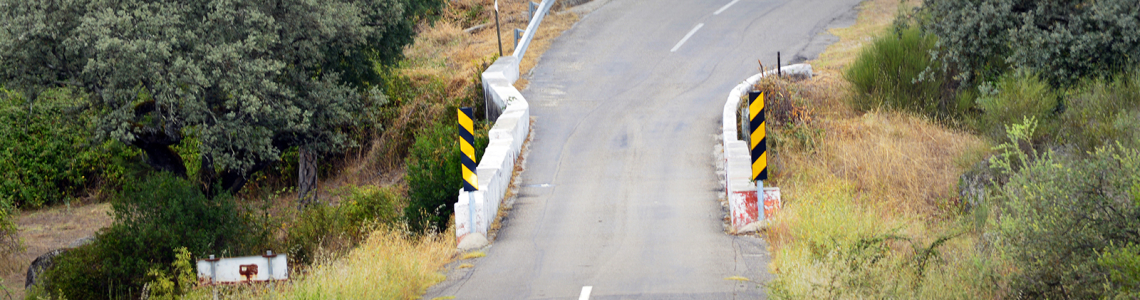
(498, 33)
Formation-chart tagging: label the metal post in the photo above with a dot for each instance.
(498, 32)
(531, 7)
(778, 72)
(213, 269)
(269, 263)
(518, 35)
(760, 200)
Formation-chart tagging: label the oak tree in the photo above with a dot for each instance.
(250, 78)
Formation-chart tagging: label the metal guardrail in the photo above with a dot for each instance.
(531, 28)
(494, 108)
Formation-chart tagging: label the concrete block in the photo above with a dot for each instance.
(506, 65)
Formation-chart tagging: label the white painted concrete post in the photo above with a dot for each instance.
(471, 211)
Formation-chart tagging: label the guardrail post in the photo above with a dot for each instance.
(518, 36)
(531, 7)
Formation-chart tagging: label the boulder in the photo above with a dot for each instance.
(40, 265)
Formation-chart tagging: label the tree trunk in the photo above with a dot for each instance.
(306, 177)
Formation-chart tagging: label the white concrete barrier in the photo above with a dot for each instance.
(739, 189)
(243, 269)
(475, 211)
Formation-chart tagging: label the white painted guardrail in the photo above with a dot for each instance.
(475, 212)
(738, 186)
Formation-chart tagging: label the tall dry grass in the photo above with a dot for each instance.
(389, 264)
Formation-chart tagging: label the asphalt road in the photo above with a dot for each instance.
(619, 193)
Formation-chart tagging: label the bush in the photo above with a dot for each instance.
(887, 72)
(1063, 41)
(433, 175)
(1016, 97)
(1123, 265)
(369, 203)
(166, 286)
(340, 227)
(48, 155)
(1102, 112)
(1062, 218)
(153, 218)
(9, 238)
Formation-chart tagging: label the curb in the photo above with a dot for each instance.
(739, 189)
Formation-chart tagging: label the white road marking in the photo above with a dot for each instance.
(585, 293)
(725, 7)
(687, 36)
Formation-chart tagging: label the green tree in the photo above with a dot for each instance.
(1060, 40)
(248, 78)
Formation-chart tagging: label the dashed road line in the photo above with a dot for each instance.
(687, 36)
(725, 7)
(585, 293)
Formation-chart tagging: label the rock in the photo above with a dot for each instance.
(754, 227)
(81, 242)
(41, 264)
(472, 241)
(972, 184)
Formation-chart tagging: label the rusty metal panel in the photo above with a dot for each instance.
(244, 269)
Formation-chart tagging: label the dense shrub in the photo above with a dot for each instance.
(1101, 112)
(363, 204)
(1068, 223)
(433, 174)
(1013, 98)
(341, 226)
(1063, 41)
(886, 75)
(168, 284)
(48, 155)
(153, 218)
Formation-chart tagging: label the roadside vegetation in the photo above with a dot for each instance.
(963, 150)
(195, 164)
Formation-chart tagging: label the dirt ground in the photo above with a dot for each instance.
(45, 230)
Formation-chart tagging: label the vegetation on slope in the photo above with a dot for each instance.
(896, 193)
(384, 179)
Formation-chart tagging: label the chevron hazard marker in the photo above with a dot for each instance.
(759, 145)
(467, 146)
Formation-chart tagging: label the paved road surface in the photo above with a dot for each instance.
(620, 193)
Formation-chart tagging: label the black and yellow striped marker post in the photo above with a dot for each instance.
(470, 180)
(467, 146)
(759, 147)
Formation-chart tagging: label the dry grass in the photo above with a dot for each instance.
(390, 264)
(898, 161)
(45, 230)
(856, 181)
(446, 61)
(874, 17)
